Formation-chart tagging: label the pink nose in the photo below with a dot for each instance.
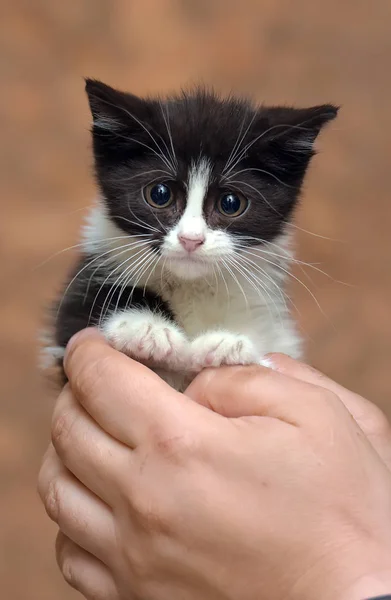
(191, 243)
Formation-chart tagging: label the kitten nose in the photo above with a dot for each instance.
(191, 243)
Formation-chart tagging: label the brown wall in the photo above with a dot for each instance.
(302, 52)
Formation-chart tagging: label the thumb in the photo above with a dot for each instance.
(258, 391)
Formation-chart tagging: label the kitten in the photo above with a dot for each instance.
(186, 253)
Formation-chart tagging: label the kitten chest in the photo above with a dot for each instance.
(198, 307)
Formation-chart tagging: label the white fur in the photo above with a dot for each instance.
(49, 355)
(216, 348)
(192, 224)
(148, 337)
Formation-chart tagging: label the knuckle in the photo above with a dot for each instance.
(175, 446)
(290, 366)
(67, 561)
(328, 402)
(87, 379)
(141, 571)
(68, 571)
(245, 378)
(329, 397)
(151, 516)
(52, 501)
(61, 428)
(42, 483)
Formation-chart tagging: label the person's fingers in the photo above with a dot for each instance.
(93, 456)
(126, 398)
(80, 515)
(369, 417)
(259, 391)
(84, 572)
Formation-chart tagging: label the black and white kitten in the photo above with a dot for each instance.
(186, 253)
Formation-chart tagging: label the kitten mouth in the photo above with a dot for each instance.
(190, 257)
(188, 266)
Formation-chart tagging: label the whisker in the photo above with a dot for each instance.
(144, 173)
(264, 273)
(238, 143)
(154, 213)
(250, 278)
(148, 228)
(317, 235)
(279, 289)
(161, 273)
(142, 271)
(260, 171)
(81, 271)
(254, 250)
(166, 118)
(225, 283)
(82, 245)
(216, 279)
(151, 227)
(139, 269)
(299, 281)
(258, 192)
(151, 273)
(160, 153)
(107, 261)
(131, 139)
(128, 275)
(123, 281)
(225, 263)
(278, 126)
(108, 298)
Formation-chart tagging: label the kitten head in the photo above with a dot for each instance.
(201, 178)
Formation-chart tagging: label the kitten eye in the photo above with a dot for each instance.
(232, 205)
(158, 195)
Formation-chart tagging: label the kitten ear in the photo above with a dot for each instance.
(111, 109)
(290, 135)
(298, 127)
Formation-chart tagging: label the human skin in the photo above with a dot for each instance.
(257, 484)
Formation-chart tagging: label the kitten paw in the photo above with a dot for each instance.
(222, 348)
(147, 337)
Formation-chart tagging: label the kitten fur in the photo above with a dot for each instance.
(169, 271)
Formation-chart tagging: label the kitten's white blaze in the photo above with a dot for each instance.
(192, 223)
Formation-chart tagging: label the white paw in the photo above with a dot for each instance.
(222, 348)
(147, 337)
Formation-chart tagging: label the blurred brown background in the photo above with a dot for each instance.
(303, 52)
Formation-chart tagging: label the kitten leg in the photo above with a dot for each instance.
(220, 347)
(148, 337)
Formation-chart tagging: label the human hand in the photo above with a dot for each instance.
(158, 497)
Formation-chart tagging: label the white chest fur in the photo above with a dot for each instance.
(232, 305)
